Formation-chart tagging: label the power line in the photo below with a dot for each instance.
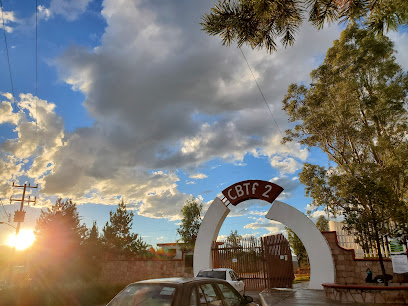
(269, 108)
(10, 75)
(8, 56)
(3, 211)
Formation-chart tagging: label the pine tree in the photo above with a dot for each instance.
(93, 254)
(59, 235)
(117, 235)
(260, 23)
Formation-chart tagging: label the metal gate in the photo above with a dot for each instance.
(262, 263)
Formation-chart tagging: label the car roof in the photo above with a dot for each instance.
(175, 280)
(217, 269)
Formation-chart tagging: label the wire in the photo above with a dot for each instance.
(8, 56)
(10, 74)
(3, 211)
(269, 108)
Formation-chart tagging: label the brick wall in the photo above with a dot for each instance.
(127, 271)
(350, 270)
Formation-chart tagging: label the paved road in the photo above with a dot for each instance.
(300, 295)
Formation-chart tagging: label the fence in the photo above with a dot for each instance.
(262, 263)
(347, 241)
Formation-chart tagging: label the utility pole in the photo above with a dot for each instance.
(19, 215)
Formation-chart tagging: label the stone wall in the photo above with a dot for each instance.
(350, 270)
(127, 271)
(367, 294)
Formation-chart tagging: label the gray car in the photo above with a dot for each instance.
(180, 292)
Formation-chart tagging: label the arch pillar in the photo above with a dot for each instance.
(208, 232)
(320, 257)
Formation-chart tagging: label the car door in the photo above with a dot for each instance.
(230, 296)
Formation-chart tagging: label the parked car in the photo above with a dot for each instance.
(180, 292)
(226, 274)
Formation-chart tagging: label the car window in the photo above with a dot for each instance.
(211, 295)
(212, 274)
(193, 297)
(231, 296)
(145, 294)
(236, 275)
(232, 275)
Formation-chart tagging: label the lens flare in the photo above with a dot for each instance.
(24, 239)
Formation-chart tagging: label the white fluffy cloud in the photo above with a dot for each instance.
(69, 9)
(8, 17)
(198, 176)
(273, 227)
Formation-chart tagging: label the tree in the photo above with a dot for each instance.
(191, 221)
(59, 235)
(93, 248)
(234, 240)
(117, 236)
(355, 112)
(322, 224)
(297, 247)
(259, 23)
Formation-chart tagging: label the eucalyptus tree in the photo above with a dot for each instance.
(190, 223)
(259, 23)
(355, 111)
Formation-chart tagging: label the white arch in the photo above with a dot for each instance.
(208, 232)
(320, 256)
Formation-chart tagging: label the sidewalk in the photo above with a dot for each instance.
(299, 295)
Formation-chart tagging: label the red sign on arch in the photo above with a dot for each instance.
(252, 189)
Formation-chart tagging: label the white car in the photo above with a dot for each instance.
(227, 274)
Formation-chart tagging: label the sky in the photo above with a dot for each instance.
(134, 101)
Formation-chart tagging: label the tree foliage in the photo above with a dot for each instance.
(259, 23)
(118, 237)
(59, 235)
(191, 221)
(322, 224)
(297, 247)
(234, 240)
(93, 249)
(355, 112)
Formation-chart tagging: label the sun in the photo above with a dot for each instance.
(24, 239)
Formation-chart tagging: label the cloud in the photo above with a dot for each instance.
(43, 12)
(7, 17)
(69, 9)
(288, 184)
(273, 227)
(284, 164)
(198, 176)
(258, 213)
